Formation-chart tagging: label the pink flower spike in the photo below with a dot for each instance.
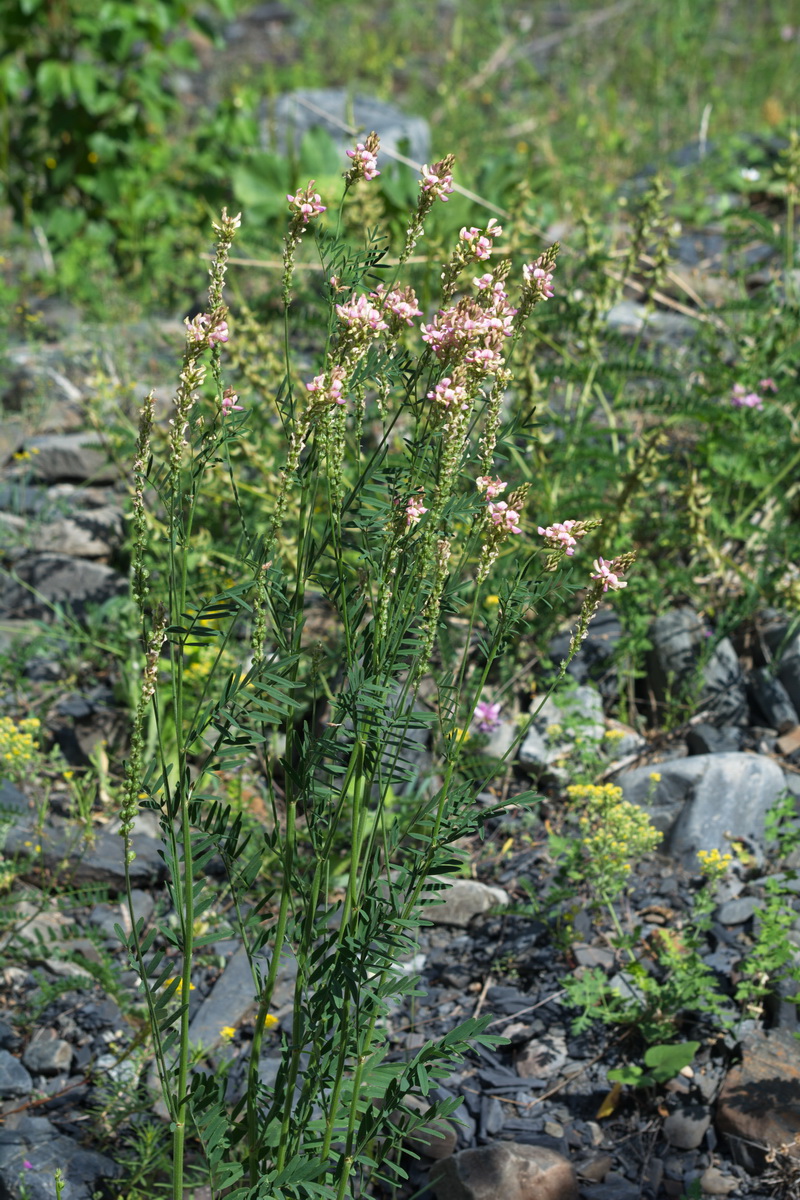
(480, 241)
(536, 276)
(609, 579)
(559, 534)
(219, 333)
(415, 510)
(361, 316)
(437, 181)
(768, 384)
(306, 203)
(200, 329)
(447, 393)
(27, 1164)
(328, 391)
(741, 398)
(230, 402)
(487, 716)
(364, 160)
(491, 487)
(500, 514)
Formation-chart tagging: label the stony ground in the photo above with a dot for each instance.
(68, 1043)
(536, 1121)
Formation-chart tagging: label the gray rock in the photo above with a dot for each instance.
(652, 325)
(99, 860)
(35, 1141)
(578, 713)
(285, 120)
(92, 534)
(783, 639)
(715, 1183)
(544, 1058)
(14, 1079)
(707, 739)
(625, 986)
(511, 1170)
(736, 912)
(42, 581)
(492, 1116)
(594, 956)
(614, 1187)
(759, 1105)
(38, 375)
(143, 905)
(48, 1055)
(70, 456)
(773, 700)
(12, 800)
(679, 639)
(700, 803)
(594, 660)
(42, 670)
(106, 917)
(463, 899)
(500, 740)
(233, 997)
(685, 1128)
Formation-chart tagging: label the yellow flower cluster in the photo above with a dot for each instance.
(18, 744)
(614, 833)
(713, 864)
(594, 793)
(179, 988)
(614, 735)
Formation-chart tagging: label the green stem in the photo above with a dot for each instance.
(266, 993)
(181, 1099)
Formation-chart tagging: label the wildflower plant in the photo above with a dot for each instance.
(386, 505)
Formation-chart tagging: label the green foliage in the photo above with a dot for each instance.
(661, 1063)
(87, 110)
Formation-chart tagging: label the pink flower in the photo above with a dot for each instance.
(328, 390)
(306, 203)
(364, 160)
(479, 241)
(402, 303)
(473, 329)
(492, 487)
(447, 393)
(201, 329)
(487, 716)
(219, 333)
(768, 384)
(610, 580)
(361, 316)
(559, 534)
(27, 1164)
(536, 277)
(741, 398)
(486, 358)
(437, 181)
(230, 402)
(503, 516)
(414, 511)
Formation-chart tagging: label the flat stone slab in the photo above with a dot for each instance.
(760, 1099)
(703, 802)
(285, 120)
(233, 997)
